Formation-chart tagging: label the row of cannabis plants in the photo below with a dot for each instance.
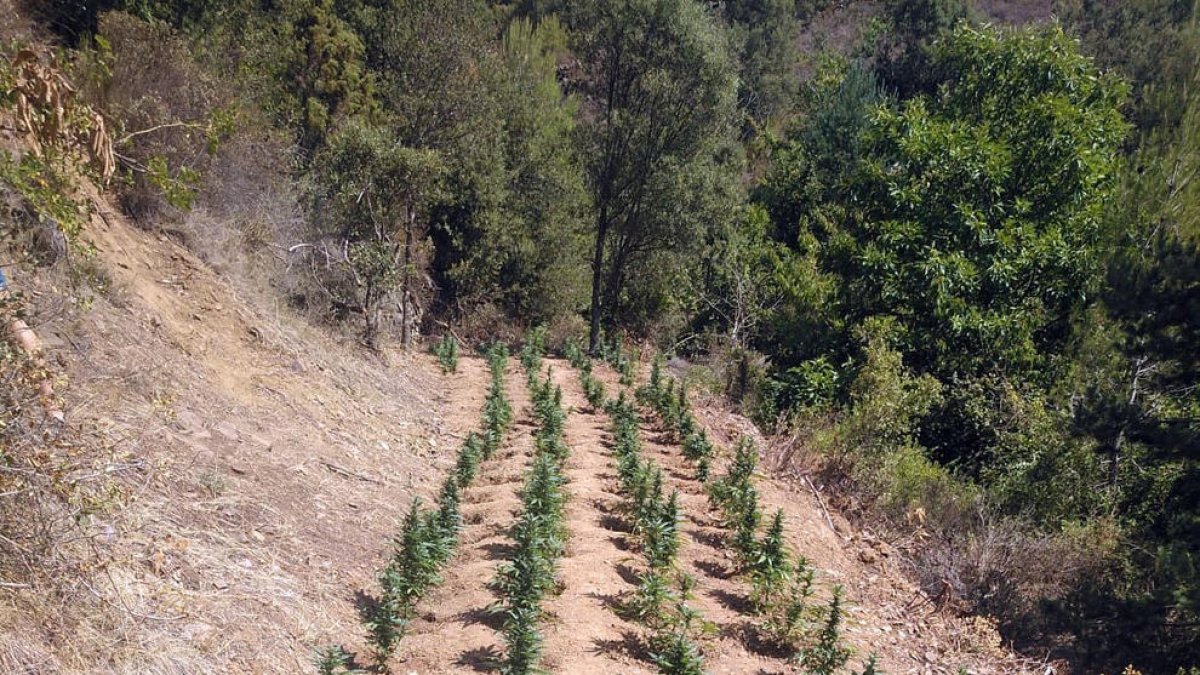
(539, 535)
(660, 601)
(427, 537)
(781, 581)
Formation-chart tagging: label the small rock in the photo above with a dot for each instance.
(227, 430)
(867, 555)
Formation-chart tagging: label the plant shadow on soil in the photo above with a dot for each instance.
(481, 659)
(365, 604)
(498, 550)
(614, 523)
(752, 637)
(629, 644)
(732, 601)
(629, 574)
(482, 616)
(713, 540)
(714, 570)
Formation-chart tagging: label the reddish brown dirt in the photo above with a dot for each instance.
(888, 615)
(456, 632)
(587, 635)
(607, 566)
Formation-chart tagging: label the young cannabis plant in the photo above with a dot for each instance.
(650, 601)
(575, 355)
(593, 389)
(789, 614)
(771, 567)
(469, 457)
(532, 349)
(334, 660)
(446, 351)
(871, 667)
(673, 648)
(828, 654)
(539, 535)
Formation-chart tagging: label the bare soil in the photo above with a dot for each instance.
(260, 465)
(888, 614)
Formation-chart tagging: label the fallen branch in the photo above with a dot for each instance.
(821, 503)
(350, 474)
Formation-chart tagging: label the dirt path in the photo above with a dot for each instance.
(598, 571)
(455, 633)
(887, 614)
(586, 635)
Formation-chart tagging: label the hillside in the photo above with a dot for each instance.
(780, 336)
(262, 466)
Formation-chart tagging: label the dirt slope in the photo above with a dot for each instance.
(888, 614)
(261, 466)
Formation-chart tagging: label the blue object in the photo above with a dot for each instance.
(3, 281)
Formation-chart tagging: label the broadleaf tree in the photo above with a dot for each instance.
(661, 93)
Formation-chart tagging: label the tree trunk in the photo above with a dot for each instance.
(597, 280)
(405, 303)
(1114, 450)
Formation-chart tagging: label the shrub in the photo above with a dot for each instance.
(168, 112)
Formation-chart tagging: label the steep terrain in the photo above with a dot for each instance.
(261, 465)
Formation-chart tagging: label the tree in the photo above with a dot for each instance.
(662, 89)
(324, 68)
(904, 58)
(981, 208)
(973, 218)
(530, 258)
(764, 34)
(374, 194)
(740, 289)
